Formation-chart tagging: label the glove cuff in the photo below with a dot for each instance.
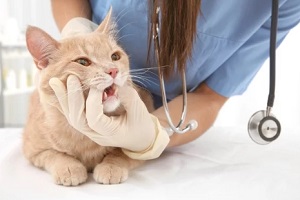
(158, 146)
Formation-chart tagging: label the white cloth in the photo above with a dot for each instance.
(222, 164)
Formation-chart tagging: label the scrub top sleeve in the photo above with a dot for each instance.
(236, 73)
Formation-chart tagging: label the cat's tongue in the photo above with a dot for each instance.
(110, 91)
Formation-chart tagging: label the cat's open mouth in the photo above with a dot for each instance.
(109, 91)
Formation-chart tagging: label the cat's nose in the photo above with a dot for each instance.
(112, 72)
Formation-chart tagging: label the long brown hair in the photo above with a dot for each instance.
(177, 31)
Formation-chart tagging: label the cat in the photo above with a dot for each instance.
(49, 142)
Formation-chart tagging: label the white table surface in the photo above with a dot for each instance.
(222, 164)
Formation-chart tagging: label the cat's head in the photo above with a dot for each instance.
(95, 58)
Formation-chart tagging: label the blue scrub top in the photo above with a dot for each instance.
(232, 42)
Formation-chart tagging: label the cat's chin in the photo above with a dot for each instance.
(111, 104)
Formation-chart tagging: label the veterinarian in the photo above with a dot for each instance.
(221, 46)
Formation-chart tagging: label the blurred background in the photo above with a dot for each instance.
(17, 71)
(16, 65)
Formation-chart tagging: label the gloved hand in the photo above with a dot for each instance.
(137, 132)
(78, 26)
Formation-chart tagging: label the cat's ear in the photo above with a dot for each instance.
(108, 25)
(40, 45)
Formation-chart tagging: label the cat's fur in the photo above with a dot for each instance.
(49, 142)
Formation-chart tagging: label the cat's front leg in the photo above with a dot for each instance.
(114, 168)
(65, 169)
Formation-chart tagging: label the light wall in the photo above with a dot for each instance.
(28, 12)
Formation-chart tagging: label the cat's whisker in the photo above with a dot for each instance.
(144, 82)
(140, 83)
(84, 87)
(124, 37)
(55, 100)
(89, 81)
(146, 79)
(118, 17)
(143, 71)
(142, 79)
(136, 73)
(140, 73)
(149, 68)
(146, 72)
(142, 76)
(124, 27)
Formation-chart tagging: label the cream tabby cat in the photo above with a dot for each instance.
(49, 142)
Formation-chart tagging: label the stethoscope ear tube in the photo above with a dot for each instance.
(263, 127)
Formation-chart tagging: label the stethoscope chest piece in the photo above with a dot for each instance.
(263, 129)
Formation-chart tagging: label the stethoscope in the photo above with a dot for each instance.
(263, 127)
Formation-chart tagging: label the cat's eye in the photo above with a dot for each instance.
(115, 56)
(83, 61)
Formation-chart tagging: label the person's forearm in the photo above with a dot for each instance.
(203, 106)
(64, 10)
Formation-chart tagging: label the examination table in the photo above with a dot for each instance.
(224, 163)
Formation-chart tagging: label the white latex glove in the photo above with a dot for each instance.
(78, 26)
(137, 132)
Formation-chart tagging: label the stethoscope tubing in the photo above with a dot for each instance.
(273, 38)
(172, 128)
(258, 119)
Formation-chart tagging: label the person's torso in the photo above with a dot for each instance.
(221, 29)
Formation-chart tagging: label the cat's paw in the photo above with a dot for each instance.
(106, 173)
(71, 174)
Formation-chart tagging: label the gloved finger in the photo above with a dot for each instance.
(96, 119)
(131, 101)
(76, 103)
(61, 94)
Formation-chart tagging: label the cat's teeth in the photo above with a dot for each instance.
(104, 96)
